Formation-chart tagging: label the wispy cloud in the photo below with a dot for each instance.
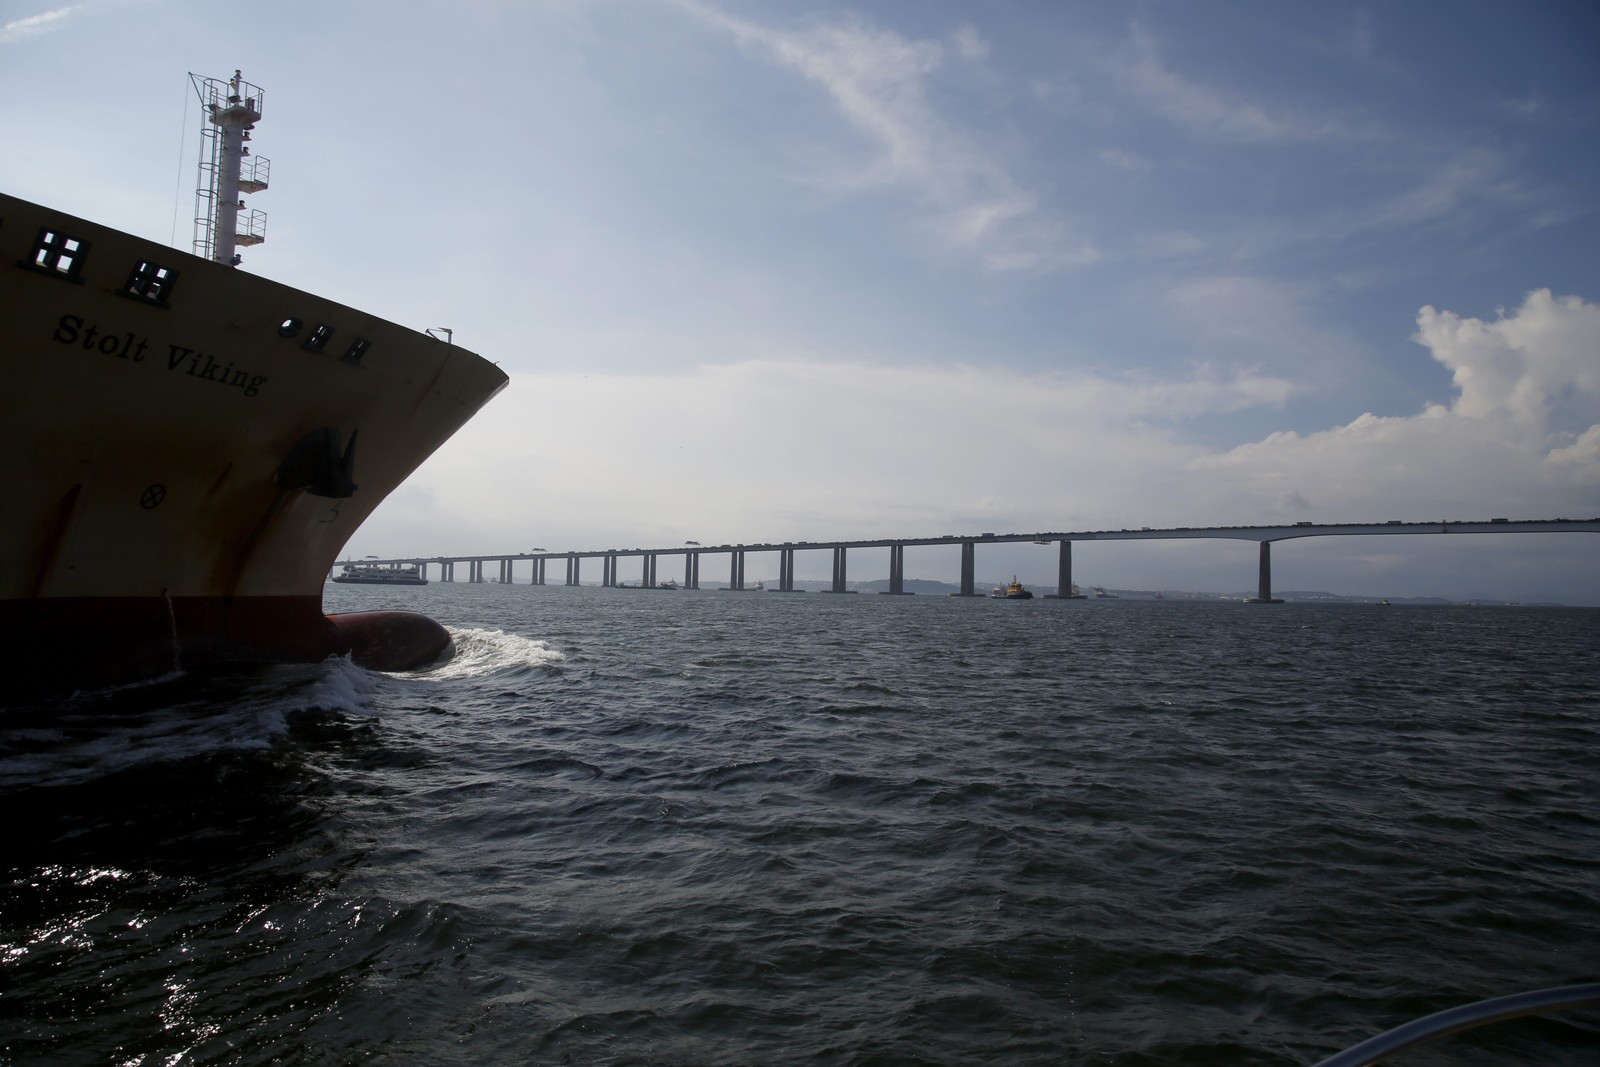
(35, 25)
(879, 81)
(1203, 109)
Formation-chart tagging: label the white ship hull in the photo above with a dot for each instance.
(153, 520)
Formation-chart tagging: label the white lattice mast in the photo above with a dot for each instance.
(227, 169)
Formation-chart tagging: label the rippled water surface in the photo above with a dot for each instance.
(629, 826)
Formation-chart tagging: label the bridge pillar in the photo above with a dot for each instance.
(1264, 579)
(572, 569)
(969, 553)
(840, 575)
(691, 570)
(1064, 588)
(897, 571)
(736, 570)
(537, 577)
(785, 570)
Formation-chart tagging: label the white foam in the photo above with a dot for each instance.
(482, 653)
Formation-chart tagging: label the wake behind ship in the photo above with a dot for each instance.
(193, 445)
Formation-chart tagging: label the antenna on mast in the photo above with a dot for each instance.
(230, 110)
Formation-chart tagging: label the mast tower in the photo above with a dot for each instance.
(230, 110)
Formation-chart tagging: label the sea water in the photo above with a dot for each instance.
(700, 827)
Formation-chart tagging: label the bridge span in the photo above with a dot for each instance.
(692, 552)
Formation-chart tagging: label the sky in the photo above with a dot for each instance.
(774, 270)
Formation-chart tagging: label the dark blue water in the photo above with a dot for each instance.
(628, 826)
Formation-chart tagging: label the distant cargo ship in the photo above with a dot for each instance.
(192, 446)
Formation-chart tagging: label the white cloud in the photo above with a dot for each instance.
(1524, 369)
(801, 447)
(970, 43)
(33, 25)
(762, 449)
(1521, 435)
(1201, 109)
(879, 82)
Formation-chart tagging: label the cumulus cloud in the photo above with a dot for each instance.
(1520, 435)
(1525, 369)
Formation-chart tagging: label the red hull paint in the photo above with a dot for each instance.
(87, 642)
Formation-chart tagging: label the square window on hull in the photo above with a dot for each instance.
(56, 253)
(150, 281)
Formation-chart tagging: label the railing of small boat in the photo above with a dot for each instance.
(1466, 1017)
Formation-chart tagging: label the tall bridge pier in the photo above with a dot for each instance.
(897, 572)
(736, 571)
(840, 556)
(969, 566)
(786, 572)
(1264, 579)
(1064, 587)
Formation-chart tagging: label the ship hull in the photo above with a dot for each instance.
(184, 475)
(69, 643)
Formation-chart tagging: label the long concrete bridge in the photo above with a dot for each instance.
(692, 552)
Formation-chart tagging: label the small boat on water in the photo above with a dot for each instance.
(1014, 591)
(1101, 594)
(382, 574)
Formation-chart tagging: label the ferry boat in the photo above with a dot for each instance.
(381, 574)
(192, 445)
(1014, 591)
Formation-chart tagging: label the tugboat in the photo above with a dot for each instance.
(187, 441)
(1014, 591)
